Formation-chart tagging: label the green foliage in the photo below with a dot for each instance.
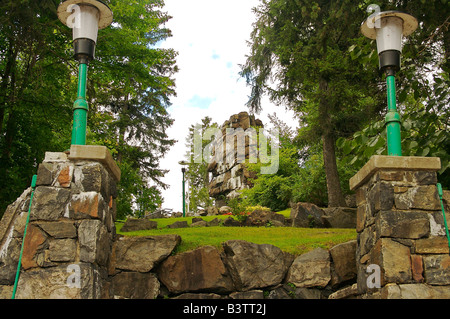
(425, 130)
(34, 107)
(238, 209)
(275, 190)
(136, 197)
(272, 191)
(257, 207)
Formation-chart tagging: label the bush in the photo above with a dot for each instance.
(257, 207)
(270, 191)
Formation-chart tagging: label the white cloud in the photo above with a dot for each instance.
(210, 37)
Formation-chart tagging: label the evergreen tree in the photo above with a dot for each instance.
(300, 57)
(197, 175)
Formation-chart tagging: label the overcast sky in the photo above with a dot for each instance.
(210, 37)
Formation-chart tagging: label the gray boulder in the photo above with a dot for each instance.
(339, 217)
(142, 254)
(134, 224)
(178, 224)
(306, 215)
(312, 269)
(264, 218)
(123, 285)
(200, 270)
(254, 266)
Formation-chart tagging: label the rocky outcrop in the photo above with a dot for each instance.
(228, 175)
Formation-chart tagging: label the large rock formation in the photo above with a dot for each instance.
(229, 174)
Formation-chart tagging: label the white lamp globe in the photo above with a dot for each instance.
(389, 28)
(85, 17)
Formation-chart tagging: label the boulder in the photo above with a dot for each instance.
(214, 222)
(200, 223)
(254, 266)
(6, 292)
(123, 285)
(312, 269)
(415, 291)
(394, 259)
(279, 293)
(86, 205)
(202, 212)
(306, 215)
(142, 254)
(230, 221)
(134, 224)
(345, 293)
(419, 197)
(212, 211)
(339, 217)
(200, 270)
(59, 229)
(344, 262)
(62, 250)
(178, 224)
(34, 246)
(8, 261)
(264, 218)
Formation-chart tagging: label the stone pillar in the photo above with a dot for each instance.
(230, 175)
(69, 238)
(400, 229)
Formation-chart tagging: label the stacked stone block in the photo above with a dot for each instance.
(228, 174)
(400, 228)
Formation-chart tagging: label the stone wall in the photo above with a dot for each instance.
(145, 267)
(229, 176)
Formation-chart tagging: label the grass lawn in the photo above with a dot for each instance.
(290, 239)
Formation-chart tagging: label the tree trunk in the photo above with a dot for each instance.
(335, 195)
(12, 55)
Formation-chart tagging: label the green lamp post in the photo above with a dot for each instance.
(183, 171)
(388, 28)
(85, 17)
